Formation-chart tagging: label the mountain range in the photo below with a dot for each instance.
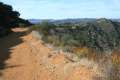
(59, 21)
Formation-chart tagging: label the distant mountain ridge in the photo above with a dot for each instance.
(61, 21)
(35, 21)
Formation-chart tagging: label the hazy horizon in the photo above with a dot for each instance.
(66, 9)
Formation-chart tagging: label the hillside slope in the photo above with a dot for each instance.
(24, 57)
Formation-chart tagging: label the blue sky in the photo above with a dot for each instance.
(59, 9)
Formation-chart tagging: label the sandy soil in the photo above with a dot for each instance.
(23, 57)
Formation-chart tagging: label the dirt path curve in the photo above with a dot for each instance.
(23, 57)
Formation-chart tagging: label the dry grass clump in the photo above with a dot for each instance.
(115, 72)
(116, 58)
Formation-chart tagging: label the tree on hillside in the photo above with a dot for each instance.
(9, 18)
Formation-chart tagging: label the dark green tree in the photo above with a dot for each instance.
(9, 18)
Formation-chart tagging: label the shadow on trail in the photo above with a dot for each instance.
(6, 45)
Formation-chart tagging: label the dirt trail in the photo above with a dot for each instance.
(23, 57)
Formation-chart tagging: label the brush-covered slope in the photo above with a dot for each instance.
(101, 34)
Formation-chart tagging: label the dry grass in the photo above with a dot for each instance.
(108, 64)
